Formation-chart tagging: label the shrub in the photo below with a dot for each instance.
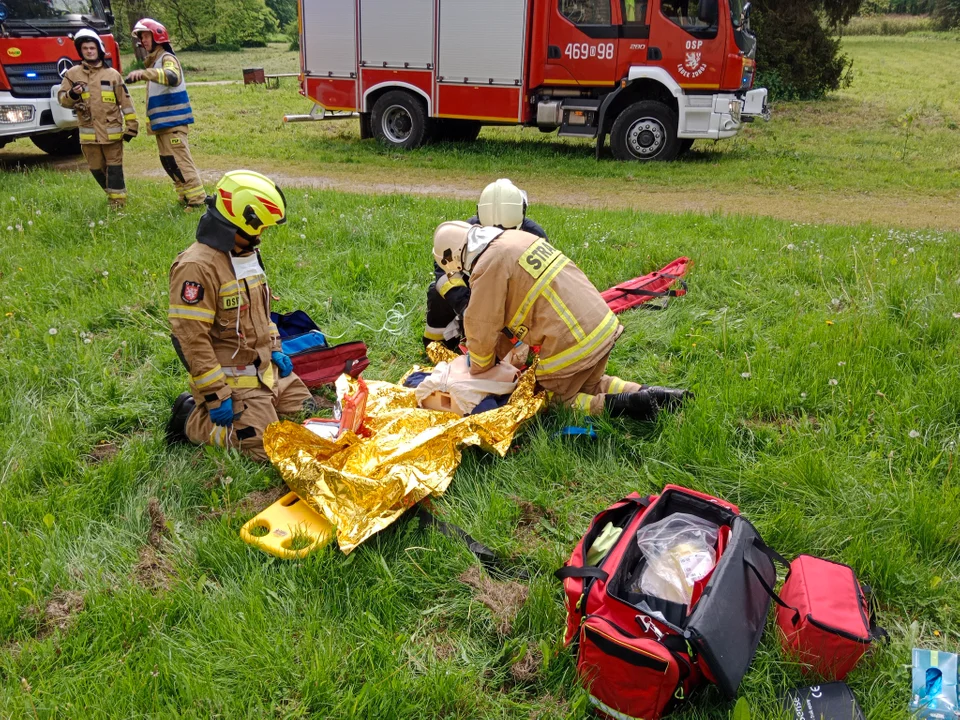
(888, 25)
(946, 14)
(798, 51)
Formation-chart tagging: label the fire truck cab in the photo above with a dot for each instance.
(654, 75)
(36, 50)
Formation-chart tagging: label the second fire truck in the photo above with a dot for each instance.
(652, 75)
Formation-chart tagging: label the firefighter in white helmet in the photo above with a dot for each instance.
(104, 112)
(524, 289)
(502, 204)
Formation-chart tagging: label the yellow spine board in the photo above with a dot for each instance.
(291, 529)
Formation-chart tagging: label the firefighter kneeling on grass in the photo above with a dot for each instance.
(104, 112)
(502, 204)
(240, 380)
(168, 109)
(524, 289)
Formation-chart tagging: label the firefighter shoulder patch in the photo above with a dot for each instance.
(191, 292)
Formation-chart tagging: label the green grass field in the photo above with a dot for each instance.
(824, 358)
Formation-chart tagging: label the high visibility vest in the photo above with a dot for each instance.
(168, 106)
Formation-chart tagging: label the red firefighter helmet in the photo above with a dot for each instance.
(159, 32)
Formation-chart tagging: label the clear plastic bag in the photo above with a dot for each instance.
(679, 551)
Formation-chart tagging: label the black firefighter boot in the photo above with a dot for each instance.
(646, 403)
(177, 426)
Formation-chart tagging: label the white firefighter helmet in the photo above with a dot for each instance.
(502, 204)
(448, 242)
(87, 35)
(457, 245)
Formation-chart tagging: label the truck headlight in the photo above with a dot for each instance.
(11, 114)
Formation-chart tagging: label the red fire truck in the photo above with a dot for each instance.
(654, 75)
(36, 49)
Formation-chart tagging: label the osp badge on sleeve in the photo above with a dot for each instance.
(191, 292)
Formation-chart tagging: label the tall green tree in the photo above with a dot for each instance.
(798, 50)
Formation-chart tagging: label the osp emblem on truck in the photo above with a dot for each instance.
(64, 64)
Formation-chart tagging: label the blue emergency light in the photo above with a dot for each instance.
(3, 12)
(31, 74)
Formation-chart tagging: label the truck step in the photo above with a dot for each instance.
(589, 131)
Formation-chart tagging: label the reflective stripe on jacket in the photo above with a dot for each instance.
(523, 283)
(168, 105)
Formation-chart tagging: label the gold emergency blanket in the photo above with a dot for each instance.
(362, 484)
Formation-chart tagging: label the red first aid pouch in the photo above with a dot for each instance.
(824, 615)
(641, 655)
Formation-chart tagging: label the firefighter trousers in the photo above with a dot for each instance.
(106, 166)
(587, 389)
(254, 409)
(178, 164)
(442, 325)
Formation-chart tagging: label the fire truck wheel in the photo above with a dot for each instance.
(399, 120)
(646, 130)
(59, 144)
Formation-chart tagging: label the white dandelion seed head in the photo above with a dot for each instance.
(803, 395)
(87, 341)
(10, 228)
(914, 434)
(302, 236)
(30, 223)
(100, 222)
(52, 331)
(834, 381)
(791, 246)
(841, 363)
(745, 375)
(106, 273)
(38, 213)
(92, 224)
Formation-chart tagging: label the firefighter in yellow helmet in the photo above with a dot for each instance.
(240, 380)
(502, 204)
(524, 289)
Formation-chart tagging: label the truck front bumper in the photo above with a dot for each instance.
(720, 115)
(21, 117)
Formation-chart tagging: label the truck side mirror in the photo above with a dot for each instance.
(745, 15)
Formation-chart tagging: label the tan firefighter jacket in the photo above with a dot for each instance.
(104, 111)
(522, 283)
(221, 326)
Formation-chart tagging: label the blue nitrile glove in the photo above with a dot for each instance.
(284, 363)
(223, 415)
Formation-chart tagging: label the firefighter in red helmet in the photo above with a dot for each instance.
(168, 109)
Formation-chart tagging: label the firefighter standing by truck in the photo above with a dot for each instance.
(524, 289)
(502, 204)
(105, 114)
(240, 380)
(168, 109)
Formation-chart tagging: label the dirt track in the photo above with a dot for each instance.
(901, 210)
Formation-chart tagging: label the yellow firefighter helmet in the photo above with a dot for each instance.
(250, 201)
